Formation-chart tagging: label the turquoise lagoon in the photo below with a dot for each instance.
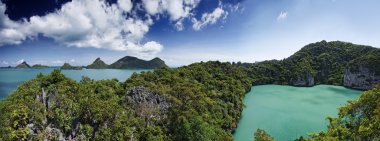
(287, 112)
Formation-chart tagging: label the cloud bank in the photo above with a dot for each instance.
(99, 24)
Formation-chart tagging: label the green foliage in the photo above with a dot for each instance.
(261, 135)
(370, 61)
(209, 94)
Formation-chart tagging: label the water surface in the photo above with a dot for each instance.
(288, 112)
(11, 78)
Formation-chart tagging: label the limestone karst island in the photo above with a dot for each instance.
(189, 70)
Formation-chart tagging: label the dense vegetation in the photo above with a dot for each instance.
(205, 104)
(97, 64)
(67, 66)
(370, 61)
(317, 63)
(261, 135)
(129, 62)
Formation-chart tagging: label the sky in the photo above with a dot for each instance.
(181, 32)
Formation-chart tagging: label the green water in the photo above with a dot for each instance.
(11, 78)
(287, 112)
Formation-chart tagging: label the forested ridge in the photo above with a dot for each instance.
(201, 101)
(128, 62)
(317, 63)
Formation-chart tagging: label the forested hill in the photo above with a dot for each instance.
(337, 63)
(97, 64)
(129, 62)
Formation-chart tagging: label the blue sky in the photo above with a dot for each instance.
(182, 32)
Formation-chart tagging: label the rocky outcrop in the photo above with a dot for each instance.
(360, 78)
(305, 80)
(149, 105)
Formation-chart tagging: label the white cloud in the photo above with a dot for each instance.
(57, 62)
(126, 5)
(177, 9)
(209, 18)
(72, 60)
(152, 6)
(98, 24)
(20, 61)
(282, 16)
(83, 23)
(4, 63)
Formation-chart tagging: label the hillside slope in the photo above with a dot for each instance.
(321, 63)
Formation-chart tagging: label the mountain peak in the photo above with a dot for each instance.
(23, 65)
(98, 64)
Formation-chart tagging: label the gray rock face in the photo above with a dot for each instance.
(149, 105)
(362, 78)
(54, 134)
(306, 80)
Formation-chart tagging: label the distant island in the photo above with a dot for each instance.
(25, 65)
(128, 62)
(6, 67)
(98, 64)
(39, 66)
(67, 66)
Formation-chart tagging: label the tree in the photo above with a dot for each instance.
(261, 135)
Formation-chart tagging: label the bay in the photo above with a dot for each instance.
(287, 112)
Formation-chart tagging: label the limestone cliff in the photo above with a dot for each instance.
(362, 78)
(149, 105)
(306, 80)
